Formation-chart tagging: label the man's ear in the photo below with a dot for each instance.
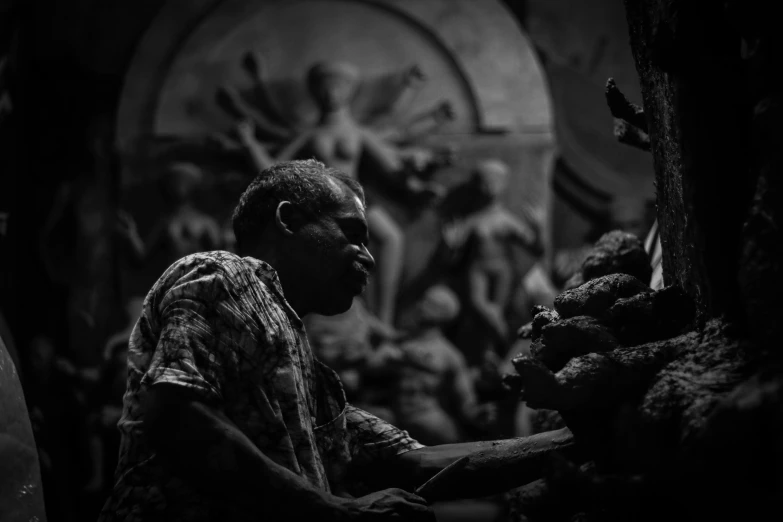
(288, 218)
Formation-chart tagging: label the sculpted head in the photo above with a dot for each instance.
(308, 222)
(438, 306)
(332, 84)
(491, 177)
(178, 181)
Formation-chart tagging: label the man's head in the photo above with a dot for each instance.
(308, 222)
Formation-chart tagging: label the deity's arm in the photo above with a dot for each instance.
(294, 148)
(523, 233)
(400, 93)
(259, 155)
(232, 103)
(427, 122)
(383, 152)
(253, 64)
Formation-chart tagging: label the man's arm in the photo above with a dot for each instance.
(493, 467)
(207, 450)
(203, 447)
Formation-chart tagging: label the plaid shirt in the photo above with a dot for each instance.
(219, 325)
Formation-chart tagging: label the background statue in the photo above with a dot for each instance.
(434, 398)
(341, 140)
(485, 235)
(183, 229)
(75, 243)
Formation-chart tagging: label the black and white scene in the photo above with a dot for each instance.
(390, 260)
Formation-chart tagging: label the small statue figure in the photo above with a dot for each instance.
(75, 243)
(434, 397)
(183, 229)
(339, 140)
(486, 236)
(346, 343)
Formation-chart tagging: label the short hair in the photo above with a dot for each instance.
(305, 183)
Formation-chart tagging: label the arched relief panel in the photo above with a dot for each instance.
(472, 51)
(488, 59)
(290, 36)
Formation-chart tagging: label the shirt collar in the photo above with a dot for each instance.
(269, 276)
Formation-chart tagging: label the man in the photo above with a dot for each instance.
(227, 416)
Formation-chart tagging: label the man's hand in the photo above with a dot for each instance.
(388, 504)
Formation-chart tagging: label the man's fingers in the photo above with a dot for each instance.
(407, 495)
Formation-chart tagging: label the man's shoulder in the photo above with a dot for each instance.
(218, 264)
(204, 271)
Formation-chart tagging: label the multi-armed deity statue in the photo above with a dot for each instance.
(344, 140)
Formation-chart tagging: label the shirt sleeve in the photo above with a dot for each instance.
(372, 439)
(196, 348)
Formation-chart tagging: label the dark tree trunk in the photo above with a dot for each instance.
(688, 57)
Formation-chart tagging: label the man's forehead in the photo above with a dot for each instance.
(350, 202)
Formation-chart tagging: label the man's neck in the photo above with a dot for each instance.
(296, 300)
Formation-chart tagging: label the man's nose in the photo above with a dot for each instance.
(366, 259)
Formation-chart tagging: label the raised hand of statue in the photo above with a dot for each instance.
(246, 130)
(425, 192)
(418, 158)
(425, 162)
(415, 75)
(444, 112)
(125, 228)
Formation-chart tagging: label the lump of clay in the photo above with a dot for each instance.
(543, 317)
(572, 337)
(648, 317)
(617, 252)
(595, 297)
(594, 380)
